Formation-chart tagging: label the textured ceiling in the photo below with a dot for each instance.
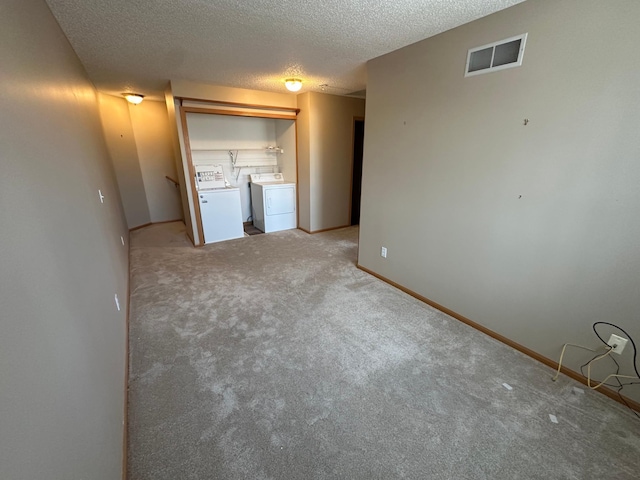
(138, 45)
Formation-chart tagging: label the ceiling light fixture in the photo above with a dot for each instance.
(134, 98)
(293, 84)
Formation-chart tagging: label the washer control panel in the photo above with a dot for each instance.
(209, 176)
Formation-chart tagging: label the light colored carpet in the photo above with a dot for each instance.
(274, 357)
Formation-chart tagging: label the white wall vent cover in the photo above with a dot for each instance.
(495, 56)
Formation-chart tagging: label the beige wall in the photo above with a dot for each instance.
(530, 230)
(141, 150)
(326, 140)
(175, 134)
(62, 340)
(332, 158)
(286, 139)
(118, 133)
(187, 89)
(304, 161)
(155, 153)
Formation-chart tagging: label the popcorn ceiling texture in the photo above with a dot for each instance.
(141, 44)
(274, 357)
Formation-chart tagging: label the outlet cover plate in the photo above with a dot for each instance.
(618, 341)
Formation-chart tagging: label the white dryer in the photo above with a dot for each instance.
(273, 202)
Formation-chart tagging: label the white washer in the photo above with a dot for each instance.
(273, 202)
(221, 214)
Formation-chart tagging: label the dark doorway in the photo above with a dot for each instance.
(356, 186)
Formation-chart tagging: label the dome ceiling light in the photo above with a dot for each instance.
(293, 84)
(134, 98)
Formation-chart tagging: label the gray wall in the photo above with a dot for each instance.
(151, 129)
(325, 158)
(118, 134)
(62, 340)
(177, 155)
(531, 231)
(140, 145)
(304, 161)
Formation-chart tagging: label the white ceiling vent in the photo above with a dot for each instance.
(495, 56)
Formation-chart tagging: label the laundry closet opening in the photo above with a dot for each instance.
(243, 170)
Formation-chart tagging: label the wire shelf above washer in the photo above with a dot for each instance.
(276, 150)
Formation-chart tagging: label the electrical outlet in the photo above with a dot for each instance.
(618, 343)
(383, 252)
(122, 240)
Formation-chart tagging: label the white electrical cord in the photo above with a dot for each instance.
(600, 357)
(564, 347)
